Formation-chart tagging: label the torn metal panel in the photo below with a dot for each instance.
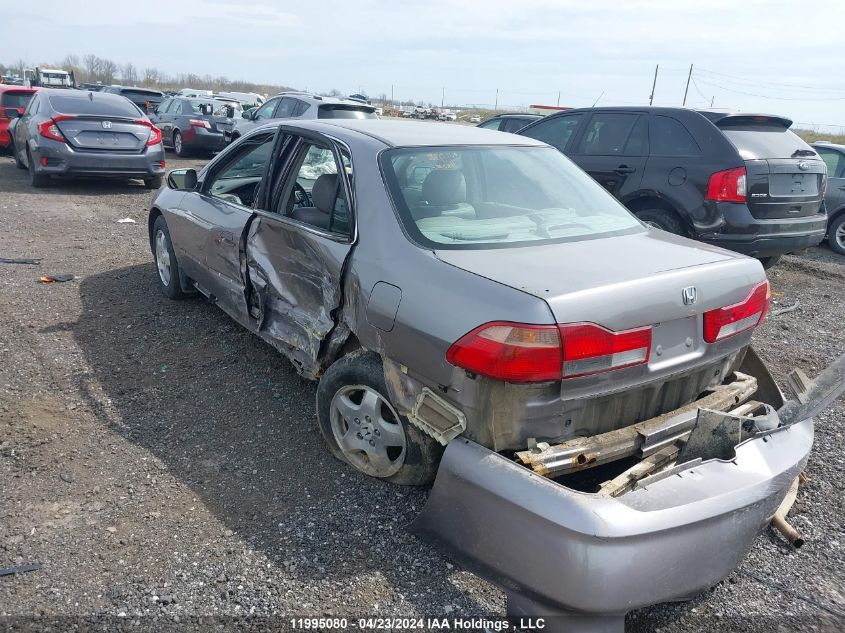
(714, 436)
(639, 439)
(295, 279)
(819, 393)
(437, 418)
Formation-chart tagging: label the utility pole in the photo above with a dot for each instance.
(391, 94)
(496, 106)
(711, 100)
(653, 85)
(443, 97)
(686, 90)
(558, 98)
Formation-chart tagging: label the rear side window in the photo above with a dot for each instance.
(669, 137)
(512, 125)
(13, 99)
(94, 106)
(492, 124)
(555, 131)
(834, 160)
(764, 141)
(607, 133)
(300, 107)
(332, 111)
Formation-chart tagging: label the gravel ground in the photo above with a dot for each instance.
(162, 464)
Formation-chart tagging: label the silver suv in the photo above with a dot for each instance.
(300, 105)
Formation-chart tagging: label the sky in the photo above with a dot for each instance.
(774, 56)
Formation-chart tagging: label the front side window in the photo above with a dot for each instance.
(495, 196)
(238, 180)
(492, 124)
(834, 160)
(266, 111)
(555, 131)
(607, 133)
(513, 124)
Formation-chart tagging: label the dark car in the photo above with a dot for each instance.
(71, 133)
(16, 97)
(834, 197)
(509, 122)
(194, 124)
(144, 98)
(741, 181)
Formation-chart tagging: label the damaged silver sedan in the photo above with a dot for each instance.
(606, 437)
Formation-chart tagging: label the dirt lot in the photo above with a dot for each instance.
(163, 464)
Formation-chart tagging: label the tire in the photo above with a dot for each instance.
(662, 219)
(167, 268)
(154, 182)
(769, 261)
(342, 391)
(178, 145)
(35, 179)
(18, 161)
(836, 234)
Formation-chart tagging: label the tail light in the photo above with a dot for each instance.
(521, 353)
(201, 123)
(49, 129)
(727, 186)
(589, 348)
(155, 133)
(721, 323)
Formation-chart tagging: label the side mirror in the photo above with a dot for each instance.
(248, 114)
(182, 179)
(12, 113)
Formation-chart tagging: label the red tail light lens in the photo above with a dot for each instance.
(722, 323)
(590, 348)
(727, 186)
(511, 352)
(520, 353)
(155, 133)
(49, 129)
(201, 123)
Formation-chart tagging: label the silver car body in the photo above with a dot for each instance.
(556, 550)
(97, 134)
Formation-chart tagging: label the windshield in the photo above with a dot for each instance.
(218, 106)
(15, 99)
(487, 196)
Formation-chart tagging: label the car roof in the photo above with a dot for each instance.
(312, 98)
(835, 146)
(521, 115)
(409, 133)
(5, 87)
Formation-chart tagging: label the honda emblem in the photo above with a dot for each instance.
(107, 125)
(690, 295)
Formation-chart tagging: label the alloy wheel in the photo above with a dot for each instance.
(368, 431)
(162, 258)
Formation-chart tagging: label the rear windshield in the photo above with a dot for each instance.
(764, 141)
(15, 99)
(97, 106)
(142, 95)
(330, 111)
(495, 196)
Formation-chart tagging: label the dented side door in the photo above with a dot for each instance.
(295, 273)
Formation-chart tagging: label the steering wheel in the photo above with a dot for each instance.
(301, 197)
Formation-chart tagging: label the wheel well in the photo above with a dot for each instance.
(832, 216)
(653, 202)
(155, 214)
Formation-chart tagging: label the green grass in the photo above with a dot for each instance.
(811, 136)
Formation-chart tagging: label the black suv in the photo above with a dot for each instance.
(741, 181)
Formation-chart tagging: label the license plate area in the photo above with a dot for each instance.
(794, 185)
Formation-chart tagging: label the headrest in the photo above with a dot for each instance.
(324, 192)
(444, 187)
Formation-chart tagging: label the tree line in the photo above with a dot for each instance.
(93, 69)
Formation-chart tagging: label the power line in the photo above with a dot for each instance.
(776, 85)
(761, 96)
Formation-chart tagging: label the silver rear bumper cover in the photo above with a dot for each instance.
(588, 558)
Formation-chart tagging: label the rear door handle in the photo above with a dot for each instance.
(624, 169)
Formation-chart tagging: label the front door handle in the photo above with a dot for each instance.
(624, 169)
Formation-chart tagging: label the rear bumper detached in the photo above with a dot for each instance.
(580, 560)
(62, 160)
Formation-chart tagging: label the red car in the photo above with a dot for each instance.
(12, 97)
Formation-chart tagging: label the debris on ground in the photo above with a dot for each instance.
(20, 260)
(61, 278)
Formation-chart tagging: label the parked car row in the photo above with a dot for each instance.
(741, 181)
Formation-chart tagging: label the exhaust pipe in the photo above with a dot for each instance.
(779, 521)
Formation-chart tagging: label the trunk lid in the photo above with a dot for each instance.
(785, 176)
(105, 133)
(622, 282)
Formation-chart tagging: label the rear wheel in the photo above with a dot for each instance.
(662, 219)
(363, 428)
(35, 179)
(165, 260)
(769, 261)
(179, 145)
(836, 234)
